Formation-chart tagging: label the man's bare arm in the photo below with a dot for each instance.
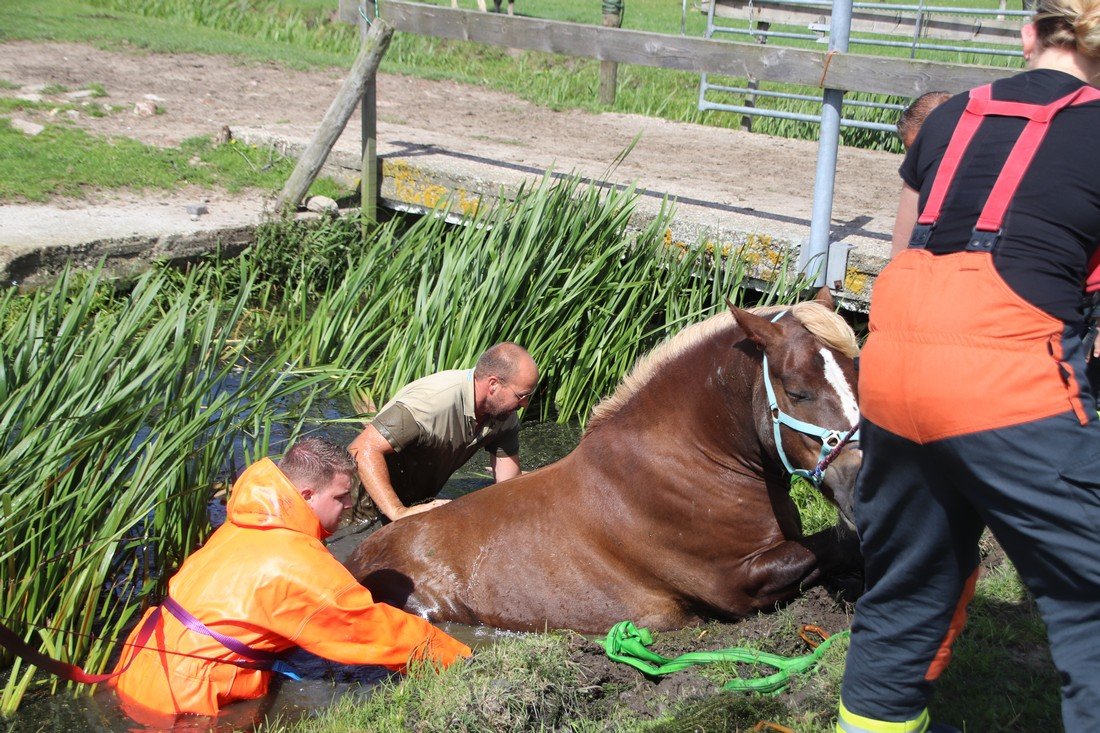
(905, 220)
(504, 467)
(370, 449)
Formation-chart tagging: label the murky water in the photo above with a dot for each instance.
(323, 682)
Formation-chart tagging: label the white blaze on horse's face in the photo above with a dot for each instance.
(834, 375)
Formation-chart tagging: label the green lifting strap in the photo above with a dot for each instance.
(627, 643)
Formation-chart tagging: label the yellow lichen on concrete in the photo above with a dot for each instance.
(677, 243)
(411, 186)
(759, 251)
(855, 282)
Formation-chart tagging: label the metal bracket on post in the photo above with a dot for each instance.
(811, 262)
(837, 266)
(825, 268)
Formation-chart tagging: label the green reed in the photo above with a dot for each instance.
(558, 270)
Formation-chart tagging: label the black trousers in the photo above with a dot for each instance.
(920, 510)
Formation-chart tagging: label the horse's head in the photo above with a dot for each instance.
(807, 393)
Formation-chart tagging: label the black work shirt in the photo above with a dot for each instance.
(1052, 225)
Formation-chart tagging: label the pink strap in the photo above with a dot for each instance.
(1092, 282)
(1016, 165)
(949, 164)
(980, 106)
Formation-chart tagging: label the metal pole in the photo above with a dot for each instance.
(813, 258)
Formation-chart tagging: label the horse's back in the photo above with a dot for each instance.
(524, 554)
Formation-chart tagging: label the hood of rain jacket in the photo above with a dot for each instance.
(265, 579)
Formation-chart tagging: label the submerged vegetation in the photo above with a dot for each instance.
(121, 410)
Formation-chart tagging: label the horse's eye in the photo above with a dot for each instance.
(797, 396)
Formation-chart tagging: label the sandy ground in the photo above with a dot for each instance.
(726, 172)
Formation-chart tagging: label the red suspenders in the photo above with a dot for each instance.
(988, 228)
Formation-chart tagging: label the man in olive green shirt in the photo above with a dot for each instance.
(435, 424)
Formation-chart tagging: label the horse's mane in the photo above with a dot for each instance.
(821, 321)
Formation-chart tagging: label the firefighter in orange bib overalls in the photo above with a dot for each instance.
(975, 404)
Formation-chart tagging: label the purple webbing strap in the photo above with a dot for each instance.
(264, 660)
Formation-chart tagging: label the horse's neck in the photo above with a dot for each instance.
(704, 402)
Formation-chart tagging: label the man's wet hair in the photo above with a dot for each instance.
(501, 360)
(313, 462)
(913, 116)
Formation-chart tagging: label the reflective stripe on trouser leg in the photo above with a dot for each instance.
(849, 722)
(919, 537)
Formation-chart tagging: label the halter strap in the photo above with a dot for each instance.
(987, 230)
(832, 441)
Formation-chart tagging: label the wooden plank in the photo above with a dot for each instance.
(939, 27)
(338, 114)
(846, 72)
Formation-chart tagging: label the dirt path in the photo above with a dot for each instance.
(200, 94)
(728, 173)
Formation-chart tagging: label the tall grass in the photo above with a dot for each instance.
(556, 270)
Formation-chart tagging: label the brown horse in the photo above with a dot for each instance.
(673, 508)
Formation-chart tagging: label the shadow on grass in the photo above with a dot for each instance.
(1001, 676)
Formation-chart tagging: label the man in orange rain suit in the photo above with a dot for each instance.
(263, 583)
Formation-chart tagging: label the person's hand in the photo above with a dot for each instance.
(420, 508)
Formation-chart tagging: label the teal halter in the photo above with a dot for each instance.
(831, 440)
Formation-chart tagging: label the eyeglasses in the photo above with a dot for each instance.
(520, 397)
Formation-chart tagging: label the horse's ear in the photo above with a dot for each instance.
(761, 330)
(825, 297)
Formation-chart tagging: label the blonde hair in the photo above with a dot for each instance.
(1069, 23)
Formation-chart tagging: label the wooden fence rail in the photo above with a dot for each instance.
(844, 71)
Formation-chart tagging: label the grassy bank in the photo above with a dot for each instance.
(64, 161)
(1001, 679)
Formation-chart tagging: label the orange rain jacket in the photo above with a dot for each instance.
(265, 579)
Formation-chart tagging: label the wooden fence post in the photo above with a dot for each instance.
(609, 70)
(753, 83)
(339, 112)
(368, 179)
